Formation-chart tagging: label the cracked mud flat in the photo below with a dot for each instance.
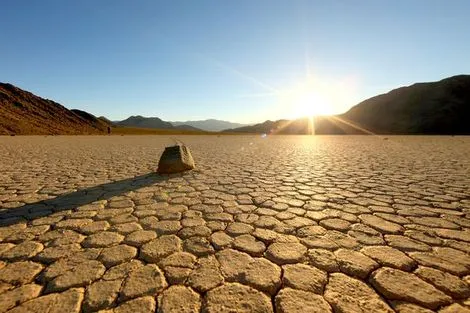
(283, 224)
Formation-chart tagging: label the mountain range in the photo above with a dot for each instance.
(210, 124)
(441, 107)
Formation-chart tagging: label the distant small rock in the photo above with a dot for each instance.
(175, 159)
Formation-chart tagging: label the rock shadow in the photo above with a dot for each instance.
(70, 201)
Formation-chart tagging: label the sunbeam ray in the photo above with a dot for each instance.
(232, 70)
(349, 123)
(259, 95)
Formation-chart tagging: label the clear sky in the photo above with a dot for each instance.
(243, 61)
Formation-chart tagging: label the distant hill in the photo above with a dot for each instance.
(210, 124)
(144, 122)
(187, 127)
(441, 107)
(23, 113)
(152, 122)
(98, 122)
(104, 119)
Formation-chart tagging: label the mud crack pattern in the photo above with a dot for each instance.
(275, 224)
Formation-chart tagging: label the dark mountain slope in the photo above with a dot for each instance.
(24, 113)
(441, 107)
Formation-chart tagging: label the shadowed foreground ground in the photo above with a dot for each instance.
(284, 224)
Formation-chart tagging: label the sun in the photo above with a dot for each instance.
(310, 103)
(312, 98)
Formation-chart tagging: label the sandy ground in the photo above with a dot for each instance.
(282, 223)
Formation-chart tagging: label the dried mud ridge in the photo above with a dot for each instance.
(283, 224)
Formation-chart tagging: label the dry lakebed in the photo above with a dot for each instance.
(263, 224)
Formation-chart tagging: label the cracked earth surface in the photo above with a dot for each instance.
(276, 224)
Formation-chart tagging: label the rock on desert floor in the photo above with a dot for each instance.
(275, 224)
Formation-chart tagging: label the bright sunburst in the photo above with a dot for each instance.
(309, 99)
(310, 103)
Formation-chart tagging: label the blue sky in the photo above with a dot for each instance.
(243, 61)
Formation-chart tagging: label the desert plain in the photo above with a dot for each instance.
(263, 224)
